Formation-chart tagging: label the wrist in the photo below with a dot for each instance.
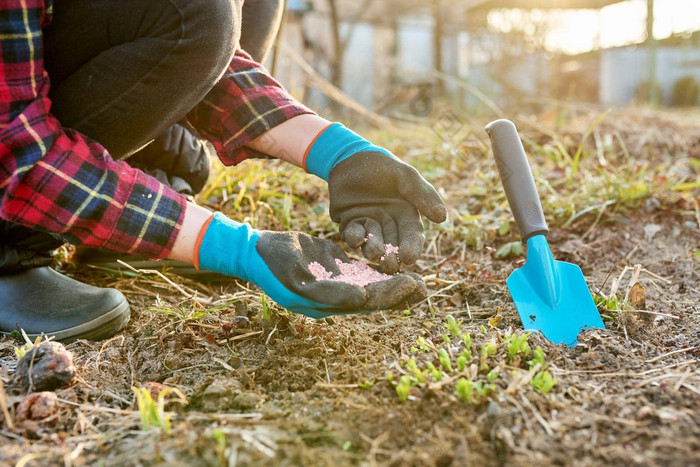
(184, 244)
(226, 246)
(332, 145)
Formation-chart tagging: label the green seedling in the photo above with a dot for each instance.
(390, 377)
(543, 382)
(220, 439)
(436, 374)
(517, 345)
(266, 307)
(490, 349)
(483, 390)
(537, 358)
(403, 388)
(510, 250)
(482, 329)
(444, 358)
(462, 361)
(416, 373)
(611, 306)
(464, 389)
(423, 344)
(446, 339)
(347, 445)
(153, 414)
(467, 339)
(452, 325)
(367, 384)
(492, 375)
(22, 350)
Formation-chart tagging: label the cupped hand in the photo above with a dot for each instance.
(378, 201)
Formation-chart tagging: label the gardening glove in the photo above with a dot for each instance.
(377, 199)
(278, 263)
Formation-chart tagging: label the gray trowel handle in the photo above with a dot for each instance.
(517, 179)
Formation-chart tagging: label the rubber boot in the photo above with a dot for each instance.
(41, 300)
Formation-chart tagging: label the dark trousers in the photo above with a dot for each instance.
(123, 72)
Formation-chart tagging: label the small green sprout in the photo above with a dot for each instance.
(537, 357)
(467, 339)
(367, 384)
(407, 313)
(452, 325)
(490, 349)
(347, 445)
(414, 350)
(464, 389)
(446, 339)
(390, 377)
(462, 362)
(492, 375)
(483, 390)
(543, 382)
(152, 412)
(482, 329)
(436, 374)
(220, 448)
(28, 345)
(403, 388)
(444, 358)
(423, 344)
(267, 308)
(418, 375)
(517, 345)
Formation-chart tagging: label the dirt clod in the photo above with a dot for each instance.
(46, 367)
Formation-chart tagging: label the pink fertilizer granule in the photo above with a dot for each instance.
(355, 273)
(389, 249)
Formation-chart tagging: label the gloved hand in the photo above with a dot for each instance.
(278, 262)
(377, 199)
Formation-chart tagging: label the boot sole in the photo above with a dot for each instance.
(100, 328)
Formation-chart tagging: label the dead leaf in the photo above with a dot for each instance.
(495, 320)
(637, 297)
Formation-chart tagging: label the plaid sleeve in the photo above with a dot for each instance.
(57, 180)
(243, 105)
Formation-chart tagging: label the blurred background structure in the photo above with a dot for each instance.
(400, 57)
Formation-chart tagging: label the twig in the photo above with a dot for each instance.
(3, 405)
(655, 276)
(656, 359)
(547, 427)
(157, 273)
(239, 337)
(274, 330)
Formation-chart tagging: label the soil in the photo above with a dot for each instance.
(286, 391)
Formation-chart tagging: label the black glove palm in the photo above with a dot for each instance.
(378, 201)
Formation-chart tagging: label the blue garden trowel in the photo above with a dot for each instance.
(551, 296)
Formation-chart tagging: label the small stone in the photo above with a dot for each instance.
(493, 410)
(651, 204)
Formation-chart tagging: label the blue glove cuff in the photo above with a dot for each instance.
(227, 247)
(335, 144)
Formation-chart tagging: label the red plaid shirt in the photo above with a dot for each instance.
(58, 180)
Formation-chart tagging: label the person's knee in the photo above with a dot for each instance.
(213, 28)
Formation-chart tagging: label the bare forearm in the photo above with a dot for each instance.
(289, 140)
